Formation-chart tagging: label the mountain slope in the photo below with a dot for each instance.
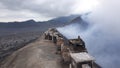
(31, 25)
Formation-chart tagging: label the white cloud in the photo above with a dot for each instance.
(44, 8)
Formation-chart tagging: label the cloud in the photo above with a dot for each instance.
(47, 8)
(44, 8)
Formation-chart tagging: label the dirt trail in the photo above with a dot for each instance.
(39, 54)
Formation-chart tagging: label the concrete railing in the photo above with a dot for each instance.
(67, 47)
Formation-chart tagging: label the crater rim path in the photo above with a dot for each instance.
(38, 54)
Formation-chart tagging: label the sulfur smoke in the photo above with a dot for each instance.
(102, 36)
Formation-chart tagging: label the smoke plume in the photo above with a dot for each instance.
(102, 37)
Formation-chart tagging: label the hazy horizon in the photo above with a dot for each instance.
(42, 10)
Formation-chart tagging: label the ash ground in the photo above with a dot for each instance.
(39, 54)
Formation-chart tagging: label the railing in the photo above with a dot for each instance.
(66, 46)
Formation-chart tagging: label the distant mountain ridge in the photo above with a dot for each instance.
(82, 24)
(31, 25)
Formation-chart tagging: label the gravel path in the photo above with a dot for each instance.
(39, 54)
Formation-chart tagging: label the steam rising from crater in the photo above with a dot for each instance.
(102, 37)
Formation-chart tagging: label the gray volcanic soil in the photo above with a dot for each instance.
(39, 54)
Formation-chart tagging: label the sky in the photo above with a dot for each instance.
(40, 10)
